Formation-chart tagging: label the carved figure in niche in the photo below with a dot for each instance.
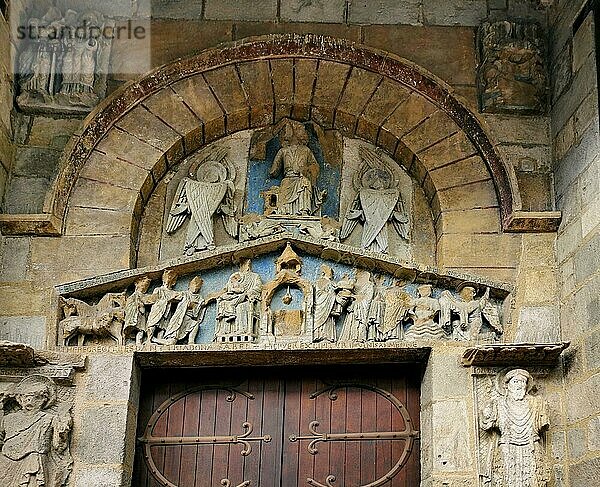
(357, 318)
(59, 63)
(34, 439)
(36, 60)
(161, 311)
(512, 75)
(378, 202)
(135, 311)
(297, 194)
(189, 313)
(518, 420)
(103, 320)
(376, 318)
(465, 317)
(397, 304)
(237, 305)
(424, 310)
(79, 59)
(211, 193)
(331, 299)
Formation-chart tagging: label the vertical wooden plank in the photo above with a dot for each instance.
(323, 416)
(306, 460)
(369, 425)
(413, 468)
(353, 416)
(223, 427)
(383, 453)
(291, 426)
(158, 453)
(337, 457)
(173, 453)
(239, 414)
(189, 454)
(271, 462)
(399, 390)
(254, 415)
(206, 427)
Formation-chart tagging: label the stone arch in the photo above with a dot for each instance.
(130, 141)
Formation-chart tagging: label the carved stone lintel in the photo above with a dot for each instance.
(16, 355)
(512, 74)
(513, 354)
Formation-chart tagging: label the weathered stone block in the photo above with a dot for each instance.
(475, 195)
(590, 217)
(167, 9)
(23, 298)
(93, 194)
(593, 434)
(96, 221)
(97, 424)
(587, 259)
(145, 126)
(200, 99)
(448, 52)
(305, 76)
(452, 450)
(35, 162)
(109, 378)
(561, 72)
(568, 239)
(436, 127)
(302, 11)
(592, 351)
(89, 476)
(454, 12)
(226, 85)
(331, 79)
(531, 130)
(588, 400)
(483, 250)
(585, 473)
(484, 220)
(538, 324)
(180, 38)
(256, 80)
(359, 88)
(408, 114)
(26, 195)
(384, 12)
(460, 173)
(14, 258)
(50, 132)
(448, 150)
(241, 9)
(282, 74)
(343, 31)
(583, 42)
(30, 330)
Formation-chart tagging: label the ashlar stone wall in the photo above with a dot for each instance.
(576, 141)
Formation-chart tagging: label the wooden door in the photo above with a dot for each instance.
(286, 427)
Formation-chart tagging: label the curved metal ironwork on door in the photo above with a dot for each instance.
(244, 438)
(408, 434)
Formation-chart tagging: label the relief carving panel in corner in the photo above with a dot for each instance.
(512, 423)
(35, 433)
(512, 72)
(63, 61)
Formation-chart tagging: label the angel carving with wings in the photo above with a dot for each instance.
(211, 193)
(378, 202)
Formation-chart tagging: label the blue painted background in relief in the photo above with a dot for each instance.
(259, 180)
(264, 265)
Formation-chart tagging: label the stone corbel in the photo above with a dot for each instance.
(513, 354)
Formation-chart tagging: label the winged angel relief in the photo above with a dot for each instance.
(210, 194)
(378, 202)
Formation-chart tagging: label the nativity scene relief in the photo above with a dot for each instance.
(282, 298)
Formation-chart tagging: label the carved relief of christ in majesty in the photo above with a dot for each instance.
(298, 194)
